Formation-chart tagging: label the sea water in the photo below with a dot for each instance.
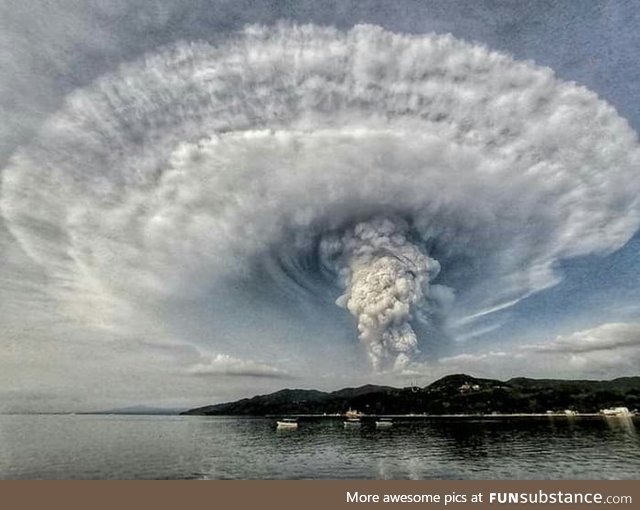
(179, 447)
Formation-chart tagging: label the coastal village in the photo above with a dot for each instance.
(354, 417)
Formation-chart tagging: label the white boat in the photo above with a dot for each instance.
(352, 423)
(384, 423)
(616, 411)
(287, 423)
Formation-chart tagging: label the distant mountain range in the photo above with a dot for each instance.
(138, 410)
(453, 394)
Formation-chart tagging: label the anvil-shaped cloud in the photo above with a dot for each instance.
(412, 178)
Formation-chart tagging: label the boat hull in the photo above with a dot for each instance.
(287, 425)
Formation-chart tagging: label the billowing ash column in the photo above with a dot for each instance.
(386, 279)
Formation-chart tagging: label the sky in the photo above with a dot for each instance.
(202, 201)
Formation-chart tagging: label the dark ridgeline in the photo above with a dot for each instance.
(452, 394)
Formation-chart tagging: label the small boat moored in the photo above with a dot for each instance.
(352, 423)
(616, 411)
(384, 423)
(287, 423)
(353, 413)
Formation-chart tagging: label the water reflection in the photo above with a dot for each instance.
(217, 447)
(621, 424)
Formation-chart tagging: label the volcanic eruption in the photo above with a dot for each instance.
(410, 177)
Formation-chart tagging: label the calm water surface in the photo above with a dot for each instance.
(161, 447)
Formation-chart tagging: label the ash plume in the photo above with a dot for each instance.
(387, 280)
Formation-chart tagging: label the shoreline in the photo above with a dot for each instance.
(464, 416)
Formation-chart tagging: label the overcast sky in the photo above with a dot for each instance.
(194, 211)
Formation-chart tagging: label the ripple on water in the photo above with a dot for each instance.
(169, 447)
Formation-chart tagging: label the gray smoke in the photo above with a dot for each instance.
(387, 279)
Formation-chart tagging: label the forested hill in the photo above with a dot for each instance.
(452, 394)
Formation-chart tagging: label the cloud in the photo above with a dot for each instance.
(224, 365)
(607, 337)
(206, 172)
(606, 351)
